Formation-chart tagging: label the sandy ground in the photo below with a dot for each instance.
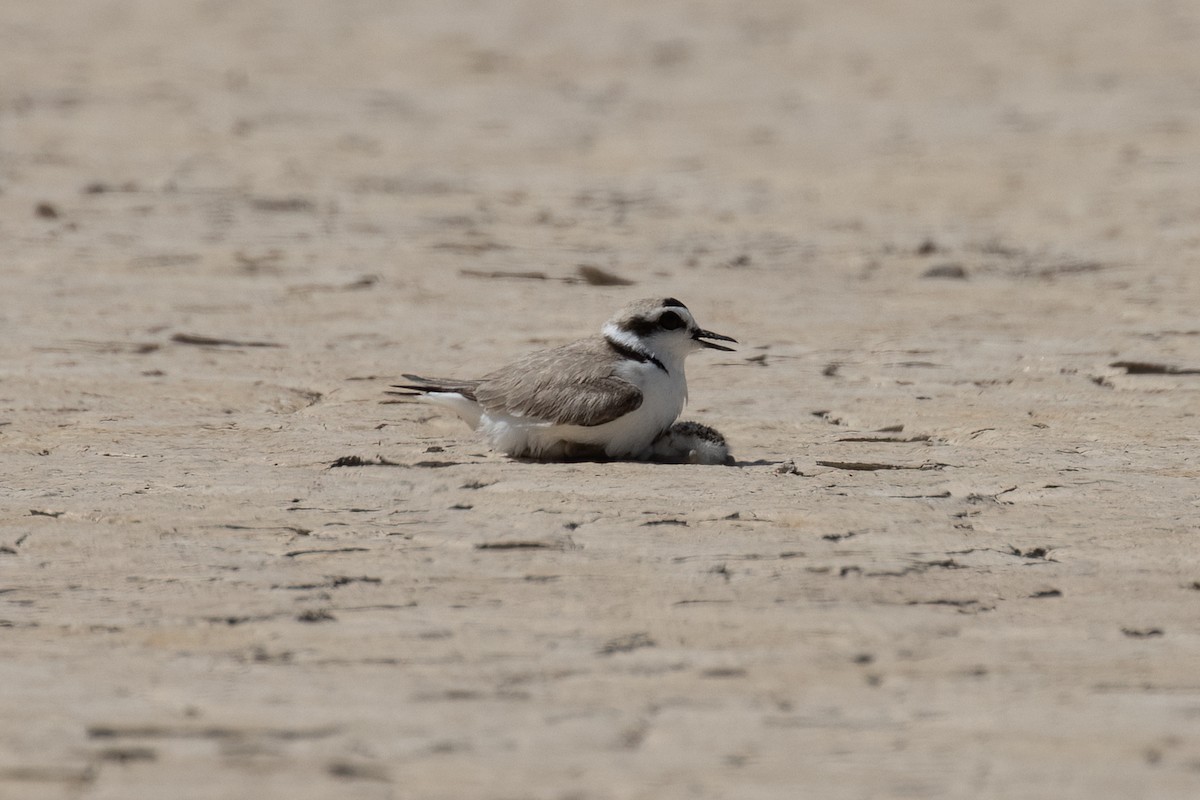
(960, 245)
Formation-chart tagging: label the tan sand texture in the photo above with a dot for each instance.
(959, 243)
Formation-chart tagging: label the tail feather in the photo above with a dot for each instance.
(421, 385)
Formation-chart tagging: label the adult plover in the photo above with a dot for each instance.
(611, 395)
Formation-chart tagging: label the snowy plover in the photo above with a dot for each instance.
(611, 395)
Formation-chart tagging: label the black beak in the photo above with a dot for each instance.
(700, 336)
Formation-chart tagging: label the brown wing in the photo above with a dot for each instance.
(569, 385)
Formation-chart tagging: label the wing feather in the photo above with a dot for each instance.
(570, 385)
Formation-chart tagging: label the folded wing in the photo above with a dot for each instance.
(570, 385)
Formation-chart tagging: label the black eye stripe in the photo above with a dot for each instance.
(670, 321)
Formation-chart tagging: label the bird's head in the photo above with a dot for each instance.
(662, 327)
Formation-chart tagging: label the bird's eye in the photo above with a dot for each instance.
(669, 321)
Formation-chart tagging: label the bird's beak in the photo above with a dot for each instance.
(700, 336)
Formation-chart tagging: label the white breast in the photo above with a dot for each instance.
(663, 397)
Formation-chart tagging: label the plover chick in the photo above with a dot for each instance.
(691, 443)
